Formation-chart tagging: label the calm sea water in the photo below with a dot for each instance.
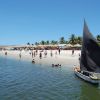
(20, 80)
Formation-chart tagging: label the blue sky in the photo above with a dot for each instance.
(23, 21)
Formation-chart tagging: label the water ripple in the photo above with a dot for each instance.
(21, 80)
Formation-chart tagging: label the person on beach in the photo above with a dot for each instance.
(36, 52)
(51, 53)
(45, 53)
(32, 54)
(73, 52)
(40, 55)
(59, 51)
(79, 57)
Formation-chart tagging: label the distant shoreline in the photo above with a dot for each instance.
(42, 47)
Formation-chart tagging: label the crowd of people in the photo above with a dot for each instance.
(43, 53)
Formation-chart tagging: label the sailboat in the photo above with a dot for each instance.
(89, 69)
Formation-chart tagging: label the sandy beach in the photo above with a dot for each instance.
(53, 57)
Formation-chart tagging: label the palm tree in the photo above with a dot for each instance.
(42, 42)
(47, 42)
(62, 40)
(72, 39)
(66, 42)
(56, 42)
(98, 38)
(36, 43)
(28, 43)
(78, 40)
(53, 42)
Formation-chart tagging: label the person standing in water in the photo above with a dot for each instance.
(20, 55)
(5, 53)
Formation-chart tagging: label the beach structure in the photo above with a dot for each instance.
(69, 45)
(17, 47)
(77, 45)
(89, 69)
(62, 46)
(40, 47)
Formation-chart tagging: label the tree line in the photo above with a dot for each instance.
(72, 40)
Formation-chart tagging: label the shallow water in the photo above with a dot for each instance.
(20, 80)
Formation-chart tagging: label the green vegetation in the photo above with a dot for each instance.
(62, 40)
(72, 40)
(98, 38)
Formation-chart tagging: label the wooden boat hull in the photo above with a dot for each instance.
(86, 78)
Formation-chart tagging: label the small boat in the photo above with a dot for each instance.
(87, 76)
(89, 69)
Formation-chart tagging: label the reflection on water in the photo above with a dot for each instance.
(21, 80)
